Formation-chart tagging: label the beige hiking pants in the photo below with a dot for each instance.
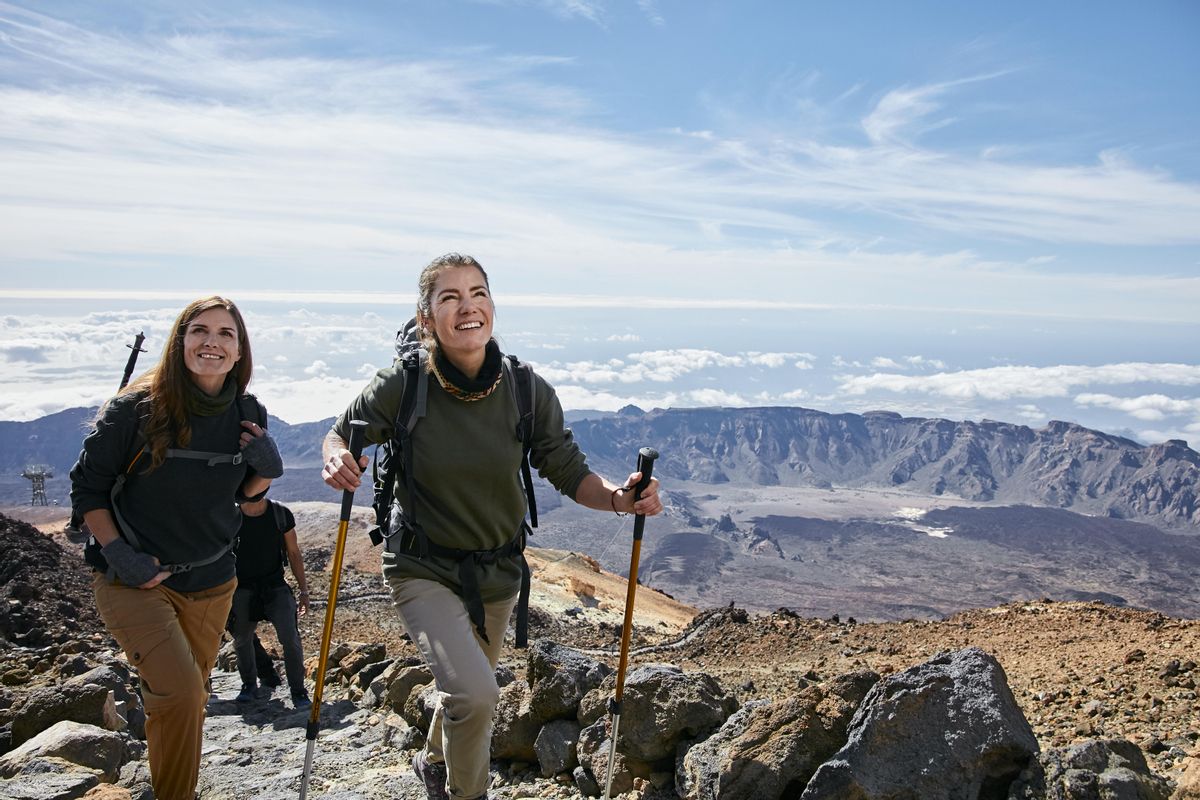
(464, 668)
(172, 638)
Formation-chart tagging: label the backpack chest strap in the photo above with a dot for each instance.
(211, 459)
(126, 530)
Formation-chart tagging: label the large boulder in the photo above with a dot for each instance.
(559, 677)
(89, 704)
(116, 677)
(515, 729)
(948, 729)
(399, 681)
(593, 752)
(661, 706)
(360, 655)
(767, 750)
(85, 745)
(419, 707)
(399, 735)
(1097, 769)
(366, 676)
(49, 779)
(112, 677)
(555, 747)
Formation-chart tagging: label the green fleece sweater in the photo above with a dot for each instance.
(466, 464)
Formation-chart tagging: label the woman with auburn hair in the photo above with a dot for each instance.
(457, 573)
(156, 485)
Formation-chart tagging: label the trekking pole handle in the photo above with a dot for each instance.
(645, 465)
(358, 429)
(135, 348)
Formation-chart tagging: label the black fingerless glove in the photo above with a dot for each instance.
(132, 567)
(262, 454)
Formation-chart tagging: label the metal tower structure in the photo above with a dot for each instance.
(38, 473)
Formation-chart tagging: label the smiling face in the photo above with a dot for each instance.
(210, 348)
(460, 316)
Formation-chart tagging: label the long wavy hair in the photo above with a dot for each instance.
(167, 383)
(425, 286)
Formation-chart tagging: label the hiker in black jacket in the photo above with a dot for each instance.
(156, 485)
(267, 535)
(453, 561)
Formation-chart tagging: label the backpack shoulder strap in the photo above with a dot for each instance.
(397, 451)
(412, 409)
(250, 401)
(415, 399)
(281, 527)
(280, 516)
(521, 382)
(141, 447)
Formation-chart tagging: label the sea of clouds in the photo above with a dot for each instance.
(312, 357)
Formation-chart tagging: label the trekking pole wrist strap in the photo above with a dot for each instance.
(612, 499)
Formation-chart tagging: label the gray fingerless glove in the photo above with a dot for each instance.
(132, 567)
(262, 454)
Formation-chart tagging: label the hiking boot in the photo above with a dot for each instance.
(432, 774)
(300, 700)
(246, 694)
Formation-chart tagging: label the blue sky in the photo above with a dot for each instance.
(959, 210)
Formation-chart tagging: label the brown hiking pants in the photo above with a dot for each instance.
(172, 638)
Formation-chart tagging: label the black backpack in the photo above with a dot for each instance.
(396, 453)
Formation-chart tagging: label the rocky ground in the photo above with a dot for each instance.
(1078, 670)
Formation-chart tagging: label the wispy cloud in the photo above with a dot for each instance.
(1030, 412)
(665, 366)
(579, 397)
(652, 12)
(1149, 407)
(904, 109)
(237, 149)
(898, 110)
(1006, 383)
(590, 10)
(922, 362)
(887, 362)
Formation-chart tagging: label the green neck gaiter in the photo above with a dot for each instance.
(205, 405)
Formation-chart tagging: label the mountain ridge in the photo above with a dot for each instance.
(1061, 465)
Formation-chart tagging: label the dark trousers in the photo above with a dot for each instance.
(280, 608)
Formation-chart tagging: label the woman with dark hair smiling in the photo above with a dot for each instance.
(156, 485)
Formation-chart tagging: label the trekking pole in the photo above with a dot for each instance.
(357, 428)
(135, 348)
(75, 523)
(645, 465)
